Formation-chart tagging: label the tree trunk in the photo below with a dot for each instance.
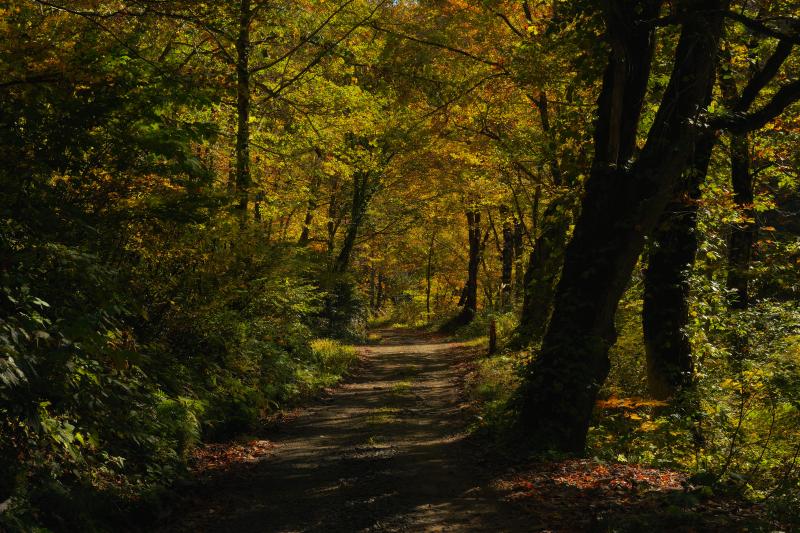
(462, 297)
(743, 235)
(488, 289)
(470, 295)
(471, 301)
(621, 206)
(372, 287)
(428, 272)
(304, 234)
(311, 206)
(243, 179)
(665, 312)
(544, 267)
(332, 225)
(358, 211)
(519, 270)
(508, 260)
(379, 296)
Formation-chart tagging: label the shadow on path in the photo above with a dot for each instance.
(386, 452)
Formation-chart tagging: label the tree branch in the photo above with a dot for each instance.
(443, 46)
(303, 41)
(32, 80)
(759, 26)
(743, 123)
(762, 77)
(322, 53)
(510, 25)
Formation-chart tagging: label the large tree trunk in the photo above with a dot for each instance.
(743, 235)
(665, 312)
(243, 179)
(621, 206)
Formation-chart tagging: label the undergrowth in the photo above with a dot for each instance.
(736, 435)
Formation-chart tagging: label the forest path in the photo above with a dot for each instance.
(388, 451)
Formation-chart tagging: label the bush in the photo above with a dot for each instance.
(479, 326)
(491, 386)
(104, 397)
(332, 357)
(180, 419)
(345, 314)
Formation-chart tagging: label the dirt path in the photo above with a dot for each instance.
(386, 452)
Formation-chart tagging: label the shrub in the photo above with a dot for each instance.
(479, 327)
(332, 357)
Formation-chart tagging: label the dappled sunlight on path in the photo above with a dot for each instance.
(385, 452)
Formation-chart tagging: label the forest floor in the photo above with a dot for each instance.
(391, 450)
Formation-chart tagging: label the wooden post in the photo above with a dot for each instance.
(492, 337)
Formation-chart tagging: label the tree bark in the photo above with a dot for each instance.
(519, 271)
(665, 311)
(470, 295)
(243, 178)
(362, 194)
(621, 206)
(428, 272)
(332, 225)
(311, 206)
(462, 296)
(307, 220)
(471, 301)
(541, 276)
(507, 259)
(372, 287)
(743, 235)
(379, 296)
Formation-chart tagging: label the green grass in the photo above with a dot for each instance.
(476, 342)
(382, 416)
(332, 356)
(490, 387)
(402, 387)
(479, 327)
(330, 362)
